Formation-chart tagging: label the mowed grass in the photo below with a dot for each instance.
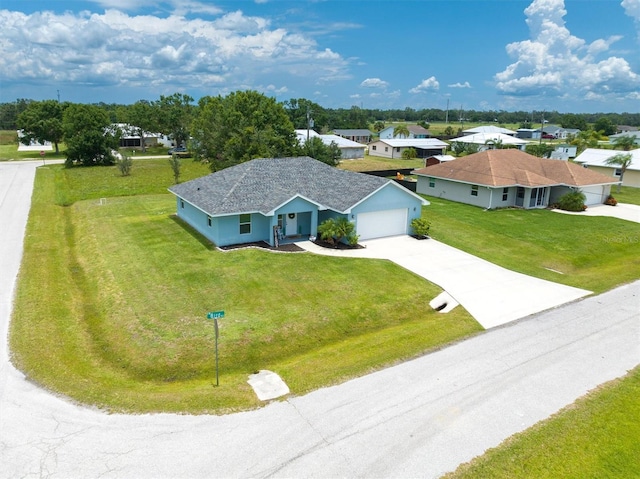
(374, 163)
(627, 194)
(594, 253)
(111, 303)
(596, 437)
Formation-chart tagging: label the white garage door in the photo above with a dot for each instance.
(382, 223)
(593, 195)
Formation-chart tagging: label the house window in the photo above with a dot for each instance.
(245, 224)
(181, 204)
(618, 172)
(505, 194)
(432, 183)
(374, 147)
(474, 190)
(208, 220)
(386, 148)
(398, 149)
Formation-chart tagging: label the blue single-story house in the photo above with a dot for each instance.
(268, 199)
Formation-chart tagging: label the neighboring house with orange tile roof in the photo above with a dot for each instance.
(507, 178)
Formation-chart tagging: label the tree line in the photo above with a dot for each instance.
(224, 131)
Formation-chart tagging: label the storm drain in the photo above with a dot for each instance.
(443, 303)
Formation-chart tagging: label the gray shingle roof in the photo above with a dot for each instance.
(263, 184)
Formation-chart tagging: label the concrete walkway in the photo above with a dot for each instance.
(623, 211)
(492, 294)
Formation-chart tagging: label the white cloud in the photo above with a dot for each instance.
(555, 63)
(460, 85)
(632, 8)
(374, 83)
(159, 53)
(430, 84)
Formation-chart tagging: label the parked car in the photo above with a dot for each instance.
(548, 136)
(179, 151)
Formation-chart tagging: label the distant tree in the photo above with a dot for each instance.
(378, 126)
(401, 131)
(494, 144)
(87, 135)
(448, 131)
(10, 111)
(174, 114)
(571, 120)
(239, 127)
(605, 126)
(424, 124)
(623, 160)
(541, 150)
(144, 117)
(458, 147)
(585, 139)
(42, 121)
(298, 109)
(625, 142)
(316, 148)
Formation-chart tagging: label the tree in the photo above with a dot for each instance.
(42, 121)
(240, 127)
(623, 160)
(409, 154)
(176, 166)
(175, 114)
(541, 150)
(378, 126)
(297, 110)
(88, 137)
(334, 230)
(625, 142)
(124, 164)
(571, 120)
(401, 130)
(494, 144)
(585, 139)
(605, 126)
(143, 116)
(316, 148)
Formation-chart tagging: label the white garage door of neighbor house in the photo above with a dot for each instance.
(378, 224)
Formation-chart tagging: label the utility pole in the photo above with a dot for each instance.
(446, 118)
(58, 95)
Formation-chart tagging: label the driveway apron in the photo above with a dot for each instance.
(491, 294)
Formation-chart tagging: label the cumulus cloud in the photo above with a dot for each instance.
(556, 63)
(430, 84)
(374, 83)
(460, 85)
(116, 48)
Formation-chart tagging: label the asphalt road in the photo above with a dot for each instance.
(419, 419)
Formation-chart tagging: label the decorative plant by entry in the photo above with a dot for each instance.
(334, 230)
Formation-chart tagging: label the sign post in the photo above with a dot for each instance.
(215, 315)
(42, 155)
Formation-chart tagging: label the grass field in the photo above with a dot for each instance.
(596, 437)
(111, 303)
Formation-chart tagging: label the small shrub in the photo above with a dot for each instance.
(124, 164)
(572, 201)
(611, 201)
(334, 230)
(175, 163)
(420, 226)
(409, 154)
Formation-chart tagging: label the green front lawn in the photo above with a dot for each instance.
(112, 297)
(627, 194)
(593, 253)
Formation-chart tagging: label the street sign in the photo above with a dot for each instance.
(215, 314)
(41, 152)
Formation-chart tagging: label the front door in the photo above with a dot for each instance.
(291, 225)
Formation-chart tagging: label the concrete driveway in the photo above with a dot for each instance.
(623, 211)
(492, 294)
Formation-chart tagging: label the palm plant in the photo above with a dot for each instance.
(401, 130)
(623, 160)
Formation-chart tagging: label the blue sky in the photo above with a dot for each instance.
(565, 55)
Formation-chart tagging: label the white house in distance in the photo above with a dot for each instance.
(510, 178)
(350, 150)
(486, 141)
(33, 144)
(393, 148)
(489, 129)
(415, 131)
(596, 159)
(360, 135)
